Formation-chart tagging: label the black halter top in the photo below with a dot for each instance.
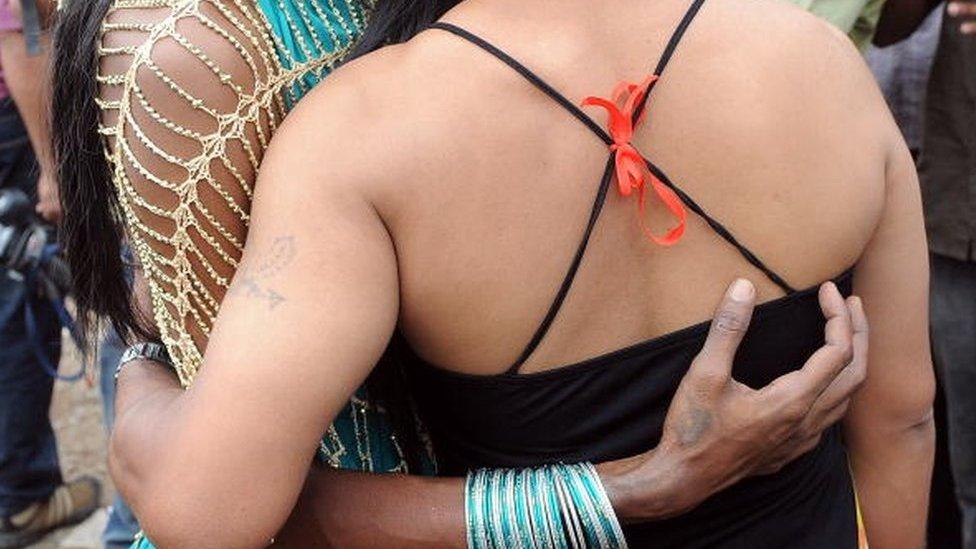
(614, 405)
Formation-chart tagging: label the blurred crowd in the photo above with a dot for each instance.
(922, 52)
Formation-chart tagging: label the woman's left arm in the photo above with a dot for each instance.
(307, 316)
(889, 428)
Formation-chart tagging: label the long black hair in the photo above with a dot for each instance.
(396, 21)
(92, 229)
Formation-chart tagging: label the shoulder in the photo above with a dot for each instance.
(381, 118)
(780, 40)
(783, 63)
(197, 46)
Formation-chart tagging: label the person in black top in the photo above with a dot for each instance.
(462, 210)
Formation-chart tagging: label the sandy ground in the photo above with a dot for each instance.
(76, 415)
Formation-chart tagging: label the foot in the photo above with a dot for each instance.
(69, 504)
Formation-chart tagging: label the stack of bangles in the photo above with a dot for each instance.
(555, 506)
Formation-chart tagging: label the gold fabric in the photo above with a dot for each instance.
(184, 140)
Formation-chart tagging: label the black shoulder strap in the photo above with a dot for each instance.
(527, 73)
(567, 283)
(557, 302)
(720, 229)
(670, 48)
(605, 181)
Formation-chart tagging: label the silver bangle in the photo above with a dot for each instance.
(156, 352)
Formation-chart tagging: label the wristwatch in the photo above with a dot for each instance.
(155, 352)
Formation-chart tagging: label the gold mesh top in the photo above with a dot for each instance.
(191, 92)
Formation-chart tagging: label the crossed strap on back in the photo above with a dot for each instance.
(625, 162)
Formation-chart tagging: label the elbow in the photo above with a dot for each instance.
(186, 512)
(917, 412)
(921, 433)
(922, 422)
(123, 466)
(167, 524)
(913, 415)
(909, 414)
(175, 516)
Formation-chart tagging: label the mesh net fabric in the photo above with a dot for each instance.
(191, 92)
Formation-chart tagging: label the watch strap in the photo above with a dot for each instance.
(153, 351)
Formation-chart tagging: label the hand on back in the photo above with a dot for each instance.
(719, 431)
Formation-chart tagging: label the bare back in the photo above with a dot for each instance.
(785, 142)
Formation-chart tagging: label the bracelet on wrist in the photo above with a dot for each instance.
(152, 351)
(562, 506)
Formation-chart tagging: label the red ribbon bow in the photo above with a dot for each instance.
(630, 167)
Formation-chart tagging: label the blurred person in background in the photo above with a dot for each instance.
(34, 499)
(902, 71)
(947, 171)
(122, 527)
(858, 19)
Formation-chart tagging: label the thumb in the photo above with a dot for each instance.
(957, 9)
(729, 325)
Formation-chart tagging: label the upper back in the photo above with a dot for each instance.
(765, 116)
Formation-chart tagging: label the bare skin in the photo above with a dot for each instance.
(388, 238)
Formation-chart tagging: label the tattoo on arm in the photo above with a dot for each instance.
(252, 280)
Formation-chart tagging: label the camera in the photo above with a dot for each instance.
(28, 247)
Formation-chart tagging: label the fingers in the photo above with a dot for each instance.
(789, 394)
(729, 326)
(957, 9)
(838, 352)
(963, 9)
(803, 387)
(832, 403)
(859, 320)
(839, 328)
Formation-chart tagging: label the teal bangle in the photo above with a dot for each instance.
(554, 507)
(605, 512)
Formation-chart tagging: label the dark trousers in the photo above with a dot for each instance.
(29, 469)
(122, 526)
(954, 346)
